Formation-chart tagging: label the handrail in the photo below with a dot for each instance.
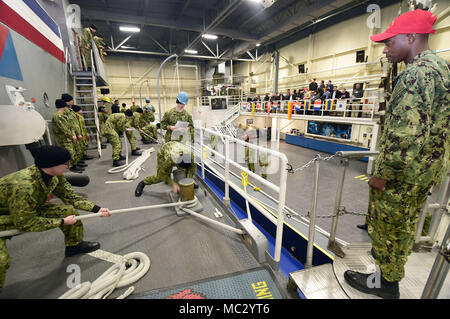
(345, 157)
(281, 189)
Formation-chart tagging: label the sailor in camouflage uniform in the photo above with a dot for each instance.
(102, 117)
(79, 146)
(115, 124)
(86, 44)
(24, 204)
(64, 134)
(171, 154)
(414, 149)
(175, 115)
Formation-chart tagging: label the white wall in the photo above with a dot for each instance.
(335, 47)
(127, 73)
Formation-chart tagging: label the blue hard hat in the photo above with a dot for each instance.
(183, 97)
(147, 99)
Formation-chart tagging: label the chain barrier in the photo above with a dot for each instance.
(318, 157)
(342, 211)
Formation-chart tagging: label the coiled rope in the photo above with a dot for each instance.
(132, 268)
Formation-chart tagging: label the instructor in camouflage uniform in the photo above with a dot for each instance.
(170, 155)
(24, 205)
(178, 113)
(414, 149)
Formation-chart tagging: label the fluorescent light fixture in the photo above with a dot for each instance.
(210, 36)
(129, 29)
(258, 44)
(191, 51)
(127, 47)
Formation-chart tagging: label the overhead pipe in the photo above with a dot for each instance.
(157, 85)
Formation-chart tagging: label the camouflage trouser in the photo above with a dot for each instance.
(73, 234)
(132, 139)
(392, 219)
(72, 150)
(114, 139)
(251, 167)
(161, 176)
(87, 57)
(263, 169)
(149, 130)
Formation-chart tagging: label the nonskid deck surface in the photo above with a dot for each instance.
(181, 249)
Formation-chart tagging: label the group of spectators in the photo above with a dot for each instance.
(315, 91)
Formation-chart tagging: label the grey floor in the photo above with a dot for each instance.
(181, 249)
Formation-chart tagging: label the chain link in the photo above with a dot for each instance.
(342, 211)
(318, 157)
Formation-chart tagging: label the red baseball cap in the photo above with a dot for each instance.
(417, 21)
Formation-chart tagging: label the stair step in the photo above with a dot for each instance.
(88, 111)
(84, 84)
(86, 91)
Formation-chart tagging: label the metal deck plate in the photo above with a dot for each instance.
(318, 283)
(358, 258)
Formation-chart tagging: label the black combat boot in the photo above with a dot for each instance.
(87, 157)
(136, 153)
(359, 281)
(146, 141)
(82, 248)
(117, 163)
(81, 164)
(122, 158)
(363, 227)
(103, 146)
(139, 189)
(75, 169)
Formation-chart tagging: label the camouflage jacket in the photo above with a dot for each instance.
(168, 154)
(23, 192)
(149, 116)
(86, 38)
(171, 118)
(73, 120)
(62, 127)
(135, 120)
(82, 126)
(415, 145)
(117, 122)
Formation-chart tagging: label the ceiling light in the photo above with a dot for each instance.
(127, 47)
(258, 44)
(129, 29)
(191, 51)
(209, 36)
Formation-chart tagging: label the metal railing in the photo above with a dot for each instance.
(363, 107)
(281, 190)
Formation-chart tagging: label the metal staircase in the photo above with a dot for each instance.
(85, 91)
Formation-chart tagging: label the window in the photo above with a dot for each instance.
(360, 56)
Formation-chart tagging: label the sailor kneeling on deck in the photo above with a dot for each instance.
(170, 155)
(24, 204)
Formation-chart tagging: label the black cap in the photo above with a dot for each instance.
(66, 97)
(60, 104)
(76, 108)
(129, 112)
(123, 104)
(50, 155)
(139, 110)
(92, 26)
